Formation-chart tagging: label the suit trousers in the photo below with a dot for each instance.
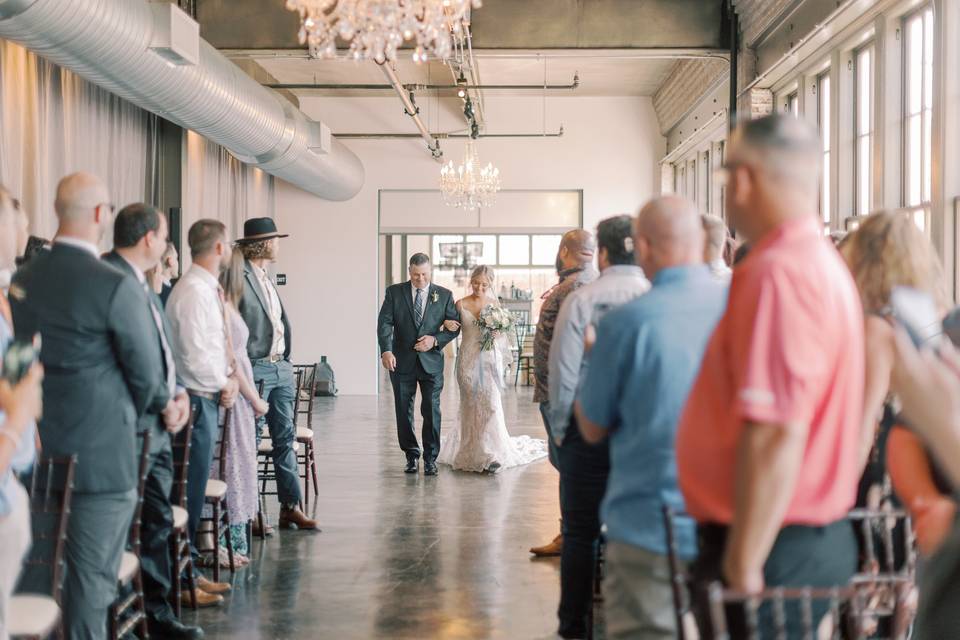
(206, 424)
(15, 534)
(279, 389)
(96, 537)
(156, 565)
(584, 469)
(404, 396)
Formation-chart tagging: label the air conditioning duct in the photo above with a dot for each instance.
(109, 42)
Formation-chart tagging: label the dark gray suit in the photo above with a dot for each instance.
(398, 332)
(157, 514)
(279, 387)
(102, 371)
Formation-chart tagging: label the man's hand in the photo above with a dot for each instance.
(451, 325)
(228, 395)
(260, 407)
(177, 412)
(589, 339)
(740, 578)
(426, 343)
(389, 361)
(23, 402)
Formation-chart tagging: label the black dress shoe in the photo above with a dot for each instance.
(170, 627)
(429, 468)
(413, 465)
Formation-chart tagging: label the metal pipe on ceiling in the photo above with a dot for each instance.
(427, 87)
(442, 136)
(433, 145)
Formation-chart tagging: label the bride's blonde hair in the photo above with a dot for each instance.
(482, 271)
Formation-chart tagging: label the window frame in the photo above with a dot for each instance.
(869, 47)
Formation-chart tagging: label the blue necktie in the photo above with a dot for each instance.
(418, 308)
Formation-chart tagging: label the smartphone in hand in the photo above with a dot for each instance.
(916, 312)
(18, 358)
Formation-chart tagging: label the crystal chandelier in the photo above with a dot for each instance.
(377, 28)
(469, 186)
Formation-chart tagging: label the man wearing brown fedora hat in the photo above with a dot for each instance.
(269, 348)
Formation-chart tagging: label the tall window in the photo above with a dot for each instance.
(918, 109)
(863, 123)
(705, 172)
(691, 191)
(793, 103)
(823, 122)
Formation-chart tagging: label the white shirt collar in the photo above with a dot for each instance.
(413, 288)
(197, 271)
(136, 270)
(77, 243)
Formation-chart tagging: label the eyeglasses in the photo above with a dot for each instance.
(112, 206)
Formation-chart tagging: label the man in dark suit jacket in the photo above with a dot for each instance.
(269, 349)
(412, 337)
(139, 235)
(103, 371)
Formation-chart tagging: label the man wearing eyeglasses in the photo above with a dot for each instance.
(103, 370)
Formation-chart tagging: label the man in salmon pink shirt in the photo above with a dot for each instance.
(767, 443)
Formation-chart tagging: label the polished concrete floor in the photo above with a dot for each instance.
(403, 556)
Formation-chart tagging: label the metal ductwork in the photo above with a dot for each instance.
(108, 42)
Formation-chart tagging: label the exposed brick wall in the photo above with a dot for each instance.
(686, 84)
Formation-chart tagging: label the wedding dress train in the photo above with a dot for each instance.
(481, 441)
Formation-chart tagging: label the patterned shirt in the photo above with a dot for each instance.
(570, 280)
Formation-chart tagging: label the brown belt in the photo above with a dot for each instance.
(268, 360)
(204, 394)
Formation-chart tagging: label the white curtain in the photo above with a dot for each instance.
(217, 185)
(53, 123)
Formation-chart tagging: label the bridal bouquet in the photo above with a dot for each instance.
(493, 322)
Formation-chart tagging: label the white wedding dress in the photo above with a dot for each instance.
(481, 441)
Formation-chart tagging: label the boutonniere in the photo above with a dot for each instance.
(16, 292)
(435, 297)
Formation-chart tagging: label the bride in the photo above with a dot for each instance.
(481, 442)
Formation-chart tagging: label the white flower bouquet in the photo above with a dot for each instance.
(493, 322)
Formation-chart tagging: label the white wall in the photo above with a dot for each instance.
(610, 150)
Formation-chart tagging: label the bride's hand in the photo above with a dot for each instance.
(451, 325)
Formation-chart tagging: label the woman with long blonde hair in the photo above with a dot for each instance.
(888, 250)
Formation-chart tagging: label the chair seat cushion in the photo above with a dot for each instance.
(32, 615)
(128, 567)
(216, 489)
(180, 517)
(304, 434)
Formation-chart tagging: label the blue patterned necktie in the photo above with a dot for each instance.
(418, 308)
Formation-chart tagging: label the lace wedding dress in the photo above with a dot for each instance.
(481, 441)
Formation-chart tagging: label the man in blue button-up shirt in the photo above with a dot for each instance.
(651, 349)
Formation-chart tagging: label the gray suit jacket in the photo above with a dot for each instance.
(150, 419)
(253, 310)
(101, 362)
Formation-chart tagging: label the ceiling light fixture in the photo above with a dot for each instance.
(376, 29)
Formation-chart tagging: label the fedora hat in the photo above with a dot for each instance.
(257, 229)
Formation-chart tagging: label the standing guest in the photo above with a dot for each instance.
(204, 363)
(269, 347)
(103, 371)
(169, 271)
(139, 237)
(20, 405)
(767, 447)
(241, 457)
(584, 467)
(716, 242)
(575, 269)
(652, 349)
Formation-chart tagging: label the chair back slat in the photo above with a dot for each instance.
(144, 466)
(679, 580)
(181, 463)
(223, 443)
(51, 493)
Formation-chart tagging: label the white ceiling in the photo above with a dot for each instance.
(601, 72)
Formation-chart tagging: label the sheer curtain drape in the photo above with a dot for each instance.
(217, 185)
(53, 122)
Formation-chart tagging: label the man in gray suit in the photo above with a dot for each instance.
(103, 370)
(269, 349)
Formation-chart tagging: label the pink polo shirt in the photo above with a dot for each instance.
(789, 349)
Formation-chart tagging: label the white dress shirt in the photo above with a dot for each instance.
(195, 311)
(275, 310)
(413, 296)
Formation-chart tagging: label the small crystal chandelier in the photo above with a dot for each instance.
(377, 28)
(469, 186)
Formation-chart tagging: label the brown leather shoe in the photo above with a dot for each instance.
(551, 549)
(293, 518)
(262, 534)
(212, 587)
(204, 599)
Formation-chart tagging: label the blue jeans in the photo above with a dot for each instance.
(206, 423)
(279, 389)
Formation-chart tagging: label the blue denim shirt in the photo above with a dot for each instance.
(651, 349)
(26, 453)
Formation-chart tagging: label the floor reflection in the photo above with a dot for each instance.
(403, 556)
